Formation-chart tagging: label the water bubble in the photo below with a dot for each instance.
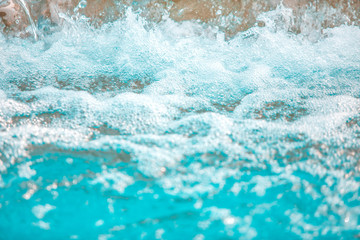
(82, 4)
(229, 221)
(69, 160)
(99, 223)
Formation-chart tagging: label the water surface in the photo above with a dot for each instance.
(172, 131)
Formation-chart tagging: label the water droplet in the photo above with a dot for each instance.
(99, 222)
(229, 220)
(69, 160)
(82, 4)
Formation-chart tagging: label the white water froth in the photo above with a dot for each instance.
(192, 110)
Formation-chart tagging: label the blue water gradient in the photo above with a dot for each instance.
(131, 131)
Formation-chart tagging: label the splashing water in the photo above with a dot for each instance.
(27, 12)
(168, 131)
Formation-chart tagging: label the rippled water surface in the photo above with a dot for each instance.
(169, 131)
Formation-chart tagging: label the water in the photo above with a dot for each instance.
(169, 131)
(27, 12)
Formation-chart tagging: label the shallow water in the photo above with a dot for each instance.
(169, 131)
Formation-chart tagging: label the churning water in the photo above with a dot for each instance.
(169, 131)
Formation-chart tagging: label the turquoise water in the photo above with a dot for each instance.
(131, 131)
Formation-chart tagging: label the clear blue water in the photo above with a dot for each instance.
(171, 132)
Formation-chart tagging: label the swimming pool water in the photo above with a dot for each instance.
(172, 132)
